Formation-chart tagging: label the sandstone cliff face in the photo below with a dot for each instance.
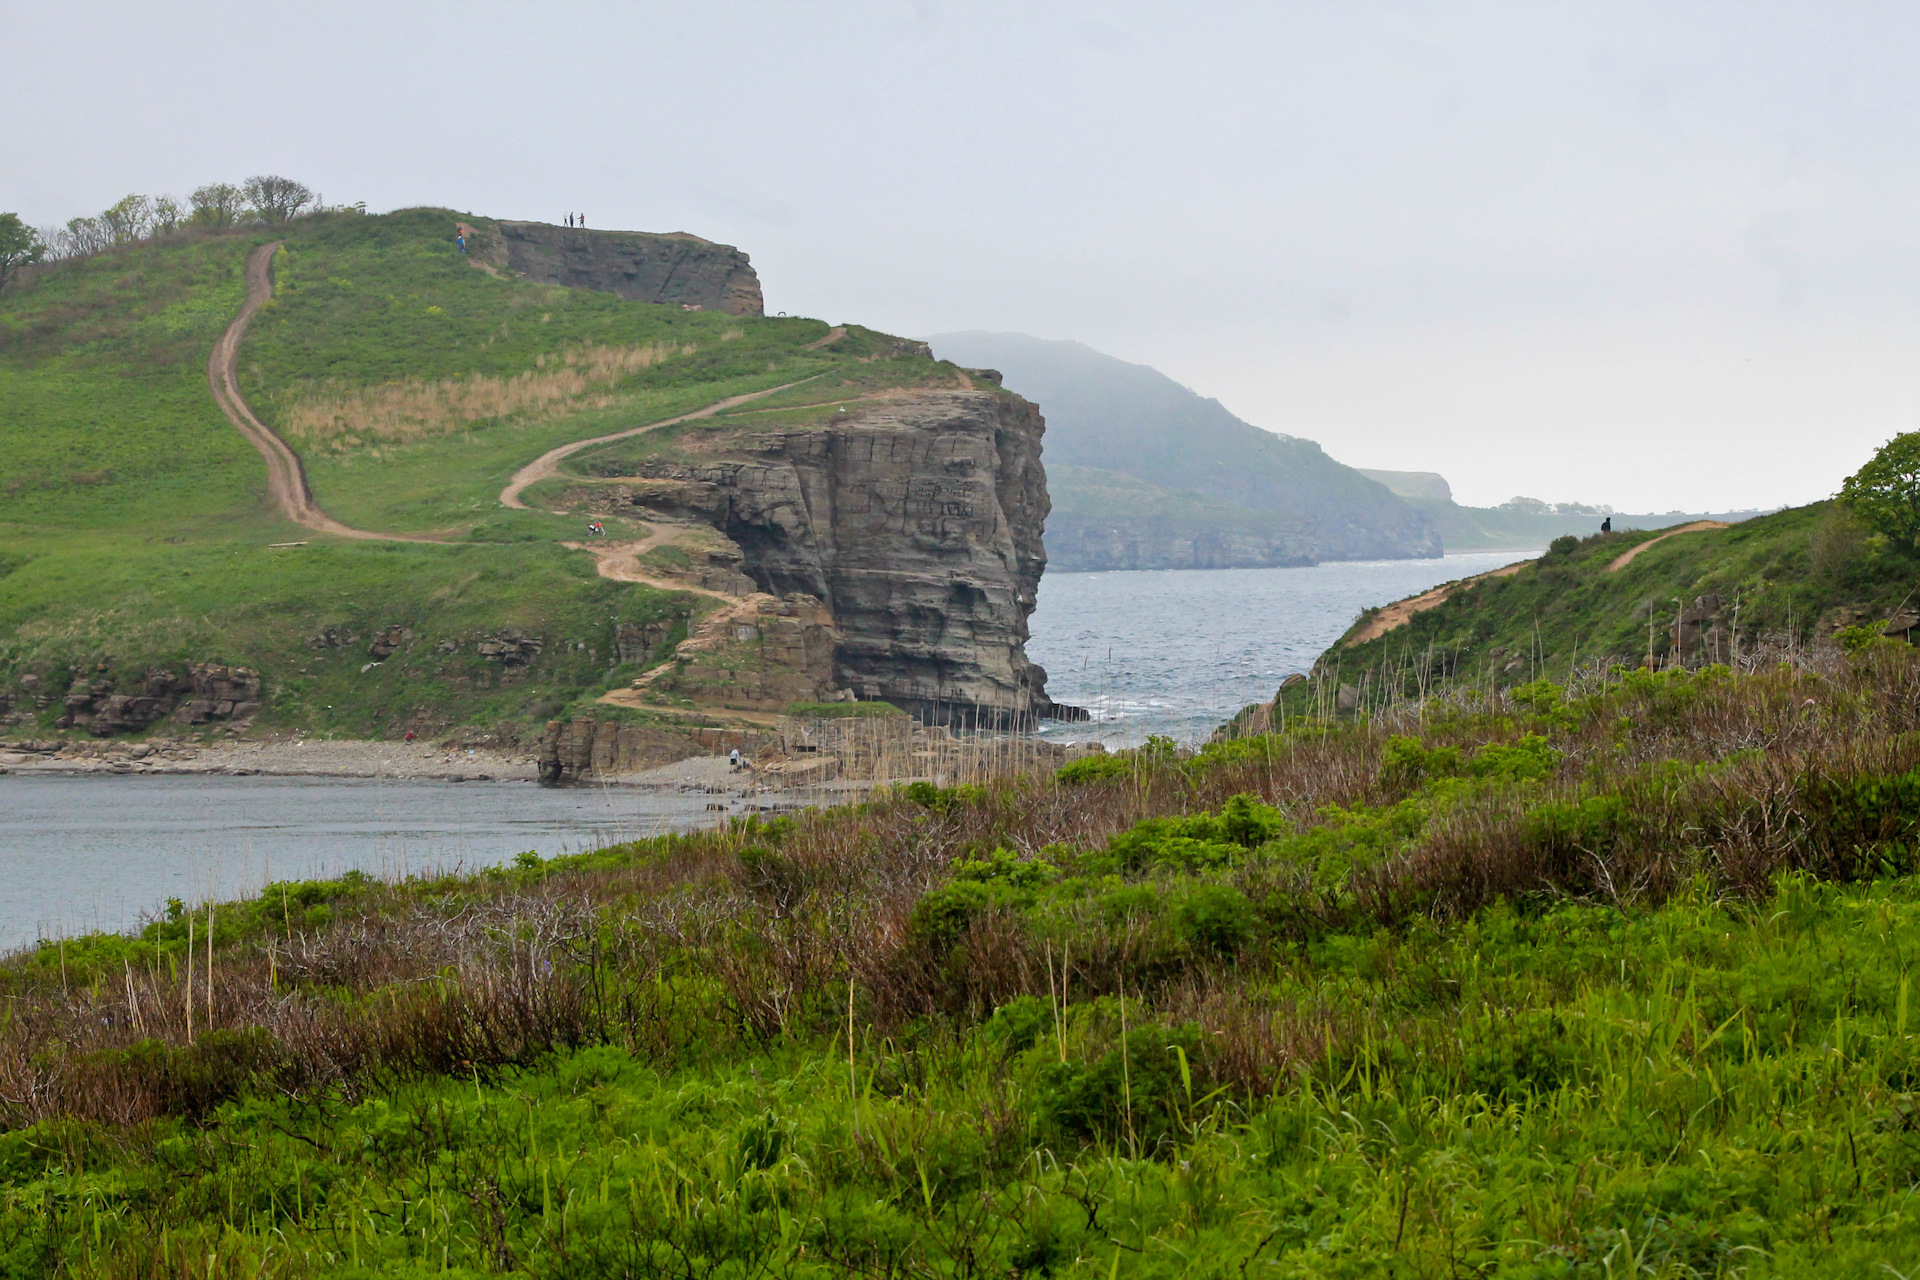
(641, 267)
(916, 522)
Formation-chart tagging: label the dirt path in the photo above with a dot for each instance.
(1400, 612)
(286, 478)
(1625, 558)
(620, 561)
(834, 335)
(547, 464)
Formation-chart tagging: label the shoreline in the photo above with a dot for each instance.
(375, 760)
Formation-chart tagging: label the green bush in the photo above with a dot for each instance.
(1214, 918)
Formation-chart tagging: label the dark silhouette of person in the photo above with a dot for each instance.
(569, 220)
(1606, 526)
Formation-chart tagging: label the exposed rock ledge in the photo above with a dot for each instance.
(637, 265)
(916, 521)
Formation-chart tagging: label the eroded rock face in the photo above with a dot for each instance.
(917, 523)
(677, 268)
(575, 751)
(205, 694)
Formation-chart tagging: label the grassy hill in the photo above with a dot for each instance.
(1766, 586)
(1188, 455)
(1607, 984)
(134, 527)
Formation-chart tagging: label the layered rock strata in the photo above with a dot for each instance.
(673, 269)
(205, 694)
(581, 750)
(916, 521)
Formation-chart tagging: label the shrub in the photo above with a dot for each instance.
(1214, 918)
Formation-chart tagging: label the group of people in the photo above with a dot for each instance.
(577, 220)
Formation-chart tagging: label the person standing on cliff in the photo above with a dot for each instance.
(1606, 526)
(569, 220)
(583, 221)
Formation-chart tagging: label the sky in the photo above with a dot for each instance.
(1656, 255)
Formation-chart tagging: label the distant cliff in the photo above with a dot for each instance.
(1147, 474)
(639, 266)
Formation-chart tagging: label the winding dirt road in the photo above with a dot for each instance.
(547, 464)
(1400, 612)
(286, 478)
(1625, 558)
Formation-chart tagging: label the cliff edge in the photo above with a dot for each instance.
(673, 268)
(912, 517)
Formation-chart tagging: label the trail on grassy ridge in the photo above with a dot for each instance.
(286, 478)
(1627, 557)
(548, 463)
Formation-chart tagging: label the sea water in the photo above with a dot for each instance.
(1176, 652)
(83, 852)
(1150, 652)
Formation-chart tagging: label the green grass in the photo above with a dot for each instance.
(241, 603)
(133, 519)
(1793, 574)
(1239, 1016)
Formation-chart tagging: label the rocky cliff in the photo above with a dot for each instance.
(915, 519)
(636, 265)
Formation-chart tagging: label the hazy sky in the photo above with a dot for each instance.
(1660, 255)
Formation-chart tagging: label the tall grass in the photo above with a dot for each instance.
(340, 417)
(1535, 984)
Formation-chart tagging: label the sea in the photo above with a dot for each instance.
(1172, 653)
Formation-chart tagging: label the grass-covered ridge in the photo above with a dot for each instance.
(1768, 584)
(134, 523)
(1609, 980)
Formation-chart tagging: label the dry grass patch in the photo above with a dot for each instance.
(337, 417)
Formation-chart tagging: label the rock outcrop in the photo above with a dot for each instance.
(915, 520)
(208, 693)
(575, 751)
(675, 268)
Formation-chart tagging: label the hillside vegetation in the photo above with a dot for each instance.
(134, 527)
(1590, 981)
(1745, 594)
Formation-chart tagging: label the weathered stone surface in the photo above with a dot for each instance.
(575, 751)
(510, 648)
(206, 693)
(917, 522)
(674, 268)
(390, 642)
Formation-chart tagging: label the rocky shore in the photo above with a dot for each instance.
(293, 757)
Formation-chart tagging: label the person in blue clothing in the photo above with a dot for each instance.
(461, 240)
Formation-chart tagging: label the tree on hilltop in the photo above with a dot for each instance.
(217, 206)
(19, 246)
(1886, 492)
(277, 200)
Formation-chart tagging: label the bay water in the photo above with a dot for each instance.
(1147, 652)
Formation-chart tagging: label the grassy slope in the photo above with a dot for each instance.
(1792, 573)
(133, 522)
(1495, 529)
(1412, 1034)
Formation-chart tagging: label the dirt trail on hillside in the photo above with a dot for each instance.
(1401, 611)
(1625, 558)
(286, 478)
(834, 335)
(547, 464)
(620, 561)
